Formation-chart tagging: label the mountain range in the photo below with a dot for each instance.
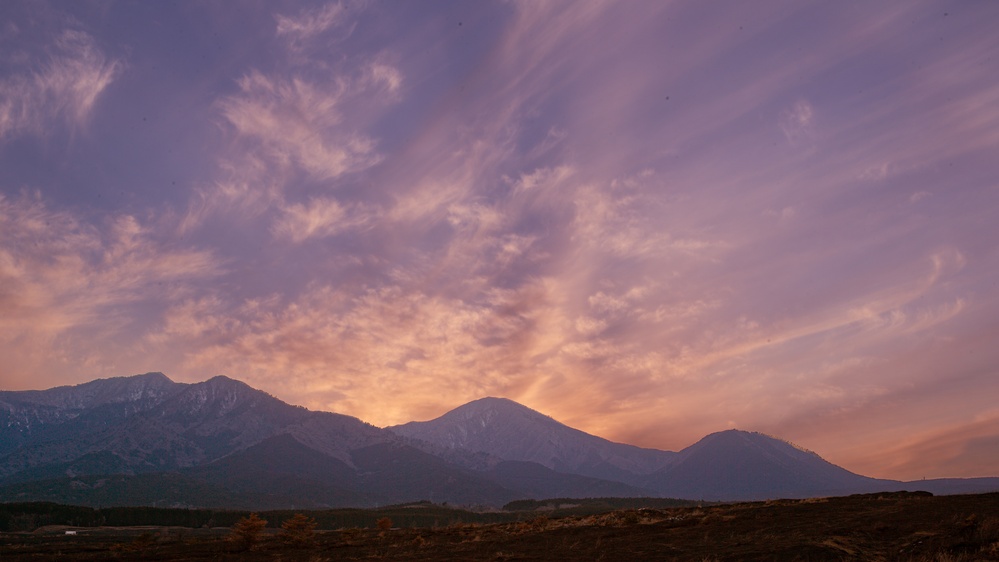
(147, 440)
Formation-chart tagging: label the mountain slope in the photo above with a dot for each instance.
(534, 481)
(41, 415)
(510, 431)
(282, 472)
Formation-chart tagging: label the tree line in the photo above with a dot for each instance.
(29, 516)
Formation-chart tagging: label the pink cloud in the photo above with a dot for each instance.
(319, 218)
(67, 285)
(65, 88)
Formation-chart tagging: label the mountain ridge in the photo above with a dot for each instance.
(221, 440)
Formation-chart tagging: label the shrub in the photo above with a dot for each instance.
(299, 530)
(247, 531)
(351, 536)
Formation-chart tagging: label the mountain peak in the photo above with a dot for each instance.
(488, 418)
(148, 387)
(747, 465)
(489, 408)
(511, 431)
(737, 438)
(219, 395)
(152, 376)
(222, 381)
(495, 401)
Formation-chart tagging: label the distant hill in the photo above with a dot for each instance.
(740, 465)
(146, 440)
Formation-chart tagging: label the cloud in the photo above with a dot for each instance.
(309, 23)
(68, 285)
(298, 123)
(964, 449)
(341, 351)
(63, 89)
(247, 193)
(318, 218)
(619, 238)
(381, 76)
(299, 129)
(797, 122)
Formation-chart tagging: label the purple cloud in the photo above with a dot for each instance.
(650, 221)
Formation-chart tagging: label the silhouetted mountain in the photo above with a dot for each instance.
(949, 486)
(152, 425)
(729, 465)
(223, 441)
(146, 440)
(161, 489)
(510, 431)
(242, 441)
(399, 473)
(281, 472)
(739, 465)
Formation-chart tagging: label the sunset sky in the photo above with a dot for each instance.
(649, 220)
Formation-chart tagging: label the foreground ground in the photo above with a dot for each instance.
(898, 526)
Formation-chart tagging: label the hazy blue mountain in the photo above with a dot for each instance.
(512, 432)
(948, 486)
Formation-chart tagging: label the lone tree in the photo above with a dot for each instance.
(247, 531)
(299, 530)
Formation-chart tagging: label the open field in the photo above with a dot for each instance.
(893, 526)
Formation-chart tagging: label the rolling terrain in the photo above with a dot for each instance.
(908, 527)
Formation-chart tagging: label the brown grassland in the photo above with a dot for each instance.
(891, 527)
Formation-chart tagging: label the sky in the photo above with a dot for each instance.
(651, 220)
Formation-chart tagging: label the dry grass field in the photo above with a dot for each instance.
(889, 527)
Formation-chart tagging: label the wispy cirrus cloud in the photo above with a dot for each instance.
(308, 31)
(298, 123)
(962, 448)
(60, 88)
(798, 121)
(319, 218)
(247, 189)
(310, 23)
(67, 282)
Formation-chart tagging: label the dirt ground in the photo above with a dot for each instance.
(890, 527)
